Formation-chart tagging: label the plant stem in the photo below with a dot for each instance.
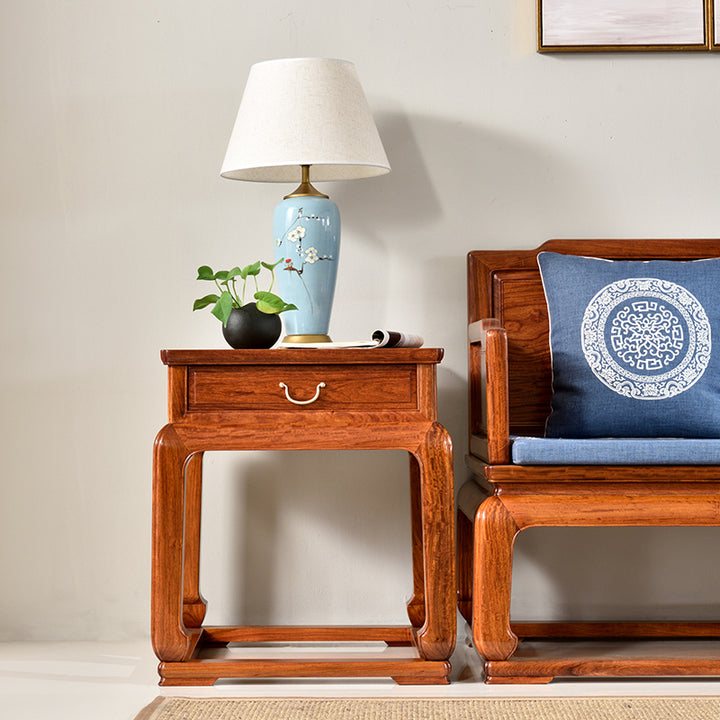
(235, 294)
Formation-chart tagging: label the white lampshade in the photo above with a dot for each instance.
(304, 111)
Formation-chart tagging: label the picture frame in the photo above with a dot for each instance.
(627, 25)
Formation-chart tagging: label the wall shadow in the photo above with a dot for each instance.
(635, 573)
(318, 538)
(452, 179)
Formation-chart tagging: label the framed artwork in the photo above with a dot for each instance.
(714, 24)
(581, 25)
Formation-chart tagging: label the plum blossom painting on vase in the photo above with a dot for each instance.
(623, 25)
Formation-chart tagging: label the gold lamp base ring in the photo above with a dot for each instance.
(307, 339)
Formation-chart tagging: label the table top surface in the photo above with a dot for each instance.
(303, 356)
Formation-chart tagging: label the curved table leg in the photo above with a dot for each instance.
(416, 604)
(464, 565)
(436, 638)
(172, 641)
(495, 532)
(194, 605)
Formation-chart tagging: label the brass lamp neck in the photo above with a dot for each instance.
(305, 189)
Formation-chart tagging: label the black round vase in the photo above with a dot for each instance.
(247, 327)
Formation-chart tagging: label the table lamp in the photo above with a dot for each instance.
(303, 119)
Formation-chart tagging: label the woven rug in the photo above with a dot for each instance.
(622, 708)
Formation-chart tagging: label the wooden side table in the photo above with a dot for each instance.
(299, 399)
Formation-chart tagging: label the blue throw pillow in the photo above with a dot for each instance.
(632, 347)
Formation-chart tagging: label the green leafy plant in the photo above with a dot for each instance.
(229, 297)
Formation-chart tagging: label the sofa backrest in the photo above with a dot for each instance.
(506, 284)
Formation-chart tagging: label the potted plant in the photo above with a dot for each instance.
(245, 325)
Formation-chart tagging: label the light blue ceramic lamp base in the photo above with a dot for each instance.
(307, 238)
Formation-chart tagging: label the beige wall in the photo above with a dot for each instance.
(113, 125)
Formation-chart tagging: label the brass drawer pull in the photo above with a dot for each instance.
(302, 402)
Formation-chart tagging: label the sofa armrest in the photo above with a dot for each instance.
(488, 384)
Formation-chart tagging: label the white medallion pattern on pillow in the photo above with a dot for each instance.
(646, 338)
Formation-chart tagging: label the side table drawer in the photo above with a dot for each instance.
(320, 387)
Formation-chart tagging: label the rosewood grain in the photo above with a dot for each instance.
(229, 387)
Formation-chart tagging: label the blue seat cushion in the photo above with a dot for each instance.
(632, 347)
(615, 451)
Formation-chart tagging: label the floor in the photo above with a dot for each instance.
(113, 681)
